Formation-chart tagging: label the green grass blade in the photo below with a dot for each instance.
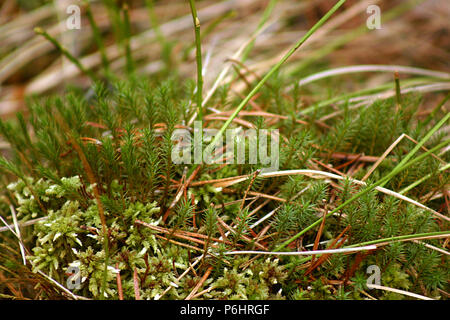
(198, 46)
(274, 69)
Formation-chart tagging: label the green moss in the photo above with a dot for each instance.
(99, 161)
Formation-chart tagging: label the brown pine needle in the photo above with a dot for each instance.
(119, 283)
(318, 235)
(179, 243)
(243, 237)
(200, 283)
(137, 294)
(186, 235)
(390, 148)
